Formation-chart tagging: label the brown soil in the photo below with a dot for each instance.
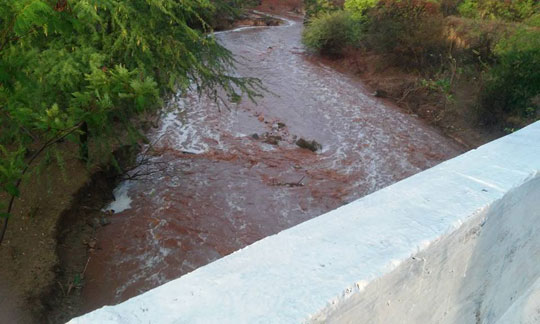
(282, 6)
(35, 275)
(456, 117)
(251, 18)
(29, 262)
(76, 239)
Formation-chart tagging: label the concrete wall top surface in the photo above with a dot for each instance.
(291, 276)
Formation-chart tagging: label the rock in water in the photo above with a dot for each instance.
(380, 93)
(310, 145)
(272, 139)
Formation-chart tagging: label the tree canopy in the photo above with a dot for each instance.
(73, 69)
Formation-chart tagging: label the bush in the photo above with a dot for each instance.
(315, 8)
(450, 7)
(533, 21)
(468, 9)
(331, 33)
(474, 40)
(412, 31)
(358, 8)
(513, 10)
(512, 86)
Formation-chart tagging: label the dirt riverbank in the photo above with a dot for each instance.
(456, 117)
(30, 269)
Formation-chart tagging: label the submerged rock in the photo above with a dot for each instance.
(380, 93)
(278, 126)
(273, 139)
(310, 145)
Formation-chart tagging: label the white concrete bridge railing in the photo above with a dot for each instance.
(458, 243)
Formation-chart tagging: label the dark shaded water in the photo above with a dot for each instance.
(237, 189)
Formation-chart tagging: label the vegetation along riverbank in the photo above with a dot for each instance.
(470, 67)
(79, 80)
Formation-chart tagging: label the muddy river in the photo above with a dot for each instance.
(217, 187)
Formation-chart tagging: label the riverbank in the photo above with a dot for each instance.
(455, 118)
(473, 74)
(32, 268)
(52, 229)
(76, 236)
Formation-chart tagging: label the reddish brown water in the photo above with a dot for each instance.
(237, 189)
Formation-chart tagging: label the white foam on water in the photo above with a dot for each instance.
(122, 201)
(184, 136)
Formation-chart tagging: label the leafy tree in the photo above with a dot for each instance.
(75, 69)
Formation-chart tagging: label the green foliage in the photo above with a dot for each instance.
(10, 166)
(511, 10)
(412, 31)
(31, 14)
(468, 9)
(358, 8)
(533, 21)
(497, 43)
(441, 85)
(331, 33)
(81, 69)
(316, 7)
(512, 86)
(473, 40)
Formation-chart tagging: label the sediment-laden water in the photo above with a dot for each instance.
(219, 187)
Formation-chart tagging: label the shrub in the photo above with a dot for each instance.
(474, 40)
(331, 33)
(512, 86)
(511, 10)
(412, 31)
(358, 8)
(533, 21)
(450, 7)
(316, 7)
(468, 9)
